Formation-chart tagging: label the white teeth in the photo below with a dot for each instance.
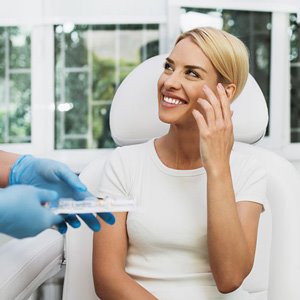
(173, 101)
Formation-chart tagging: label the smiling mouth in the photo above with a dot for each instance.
(173, 101)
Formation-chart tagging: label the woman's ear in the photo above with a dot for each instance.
(230, 90)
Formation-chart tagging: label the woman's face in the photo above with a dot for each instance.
(186, 71)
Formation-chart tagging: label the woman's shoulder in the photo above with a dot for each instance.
(243, 159)
(132, 152)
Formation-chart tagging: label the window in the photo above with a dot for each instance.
(15, 85)
(253, 28)
(90, 63)
(295, 78)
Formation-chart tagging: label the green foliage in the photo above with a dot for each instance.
(15, 112)
(103, 78)
(20, 108)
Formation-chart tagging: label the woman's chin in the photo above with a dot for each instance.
(167, 119)
(174, 117)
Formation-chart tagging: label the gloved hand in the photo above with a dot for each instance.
(47, 174)
(21, 211)
(90, 220)
(54, 175)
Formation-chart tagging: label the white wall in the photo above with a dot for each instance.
(296, 164)
(78, 11)
(109, 10)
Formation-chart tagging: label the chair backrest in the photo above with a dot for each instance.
(135, 102)
(276, 269)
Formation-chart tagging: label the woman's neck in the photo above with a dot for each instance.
(179, 148)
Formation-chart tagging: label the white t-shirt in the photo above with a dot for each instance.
(167, 233)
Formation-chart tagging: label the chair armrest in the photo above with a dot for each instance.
(27, 263)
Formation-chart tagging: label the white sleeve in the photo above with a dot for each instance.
(251, 183)
(115, 178)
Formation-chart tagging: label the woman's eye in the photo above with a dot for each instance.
(167, 66)
(192, 73)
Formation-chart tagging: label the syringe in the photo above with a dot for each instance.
(93, 205)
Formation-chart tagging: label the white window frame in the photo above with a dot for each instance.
(279, 125)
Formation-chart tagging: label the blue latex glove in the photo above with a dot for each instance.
(89, 219)
(53, 175)
(47, 174)
(21, 212)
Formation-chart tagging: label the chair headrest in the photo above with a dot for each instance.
(134, 111)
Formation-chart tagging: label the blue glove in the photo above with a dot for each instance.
(47, 174)
(21, 211)
(53, 175)
(89, 219)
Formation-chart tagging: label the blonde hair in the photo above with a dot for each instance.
(228, 54)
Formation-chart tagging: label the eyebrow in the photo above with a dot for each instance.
(187, 66)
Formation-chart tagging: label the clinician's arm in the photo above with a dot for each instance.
(109, 257)
(7, 159)
(231, 227)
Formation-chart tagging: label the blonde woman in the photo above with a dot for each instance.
(200, 243)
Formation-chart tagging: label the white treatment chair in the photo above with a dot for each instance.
(26, 264)
(134, 119)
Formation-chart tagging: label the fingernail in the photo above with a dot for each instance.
(205, 87)
(220, 86)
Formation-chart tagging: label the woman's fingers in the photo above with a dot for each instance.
(216, 111)
(214, 101)
(225, 103)
(202, 125)
(209, 113)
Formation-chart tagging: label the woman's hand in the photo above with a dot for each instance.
(215, 129)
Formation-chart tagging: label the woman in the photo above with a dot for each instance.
(195, 233)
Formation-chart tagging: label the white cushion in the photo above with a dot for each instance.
(79, 283)
(27, 263)
(134, 112)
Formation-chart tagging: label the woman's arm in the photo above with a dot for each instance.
(232, 227)
(109, 257)
(231, 233)
(7, 159)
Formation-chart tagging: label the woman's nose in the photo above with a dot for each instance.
(173, 81)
